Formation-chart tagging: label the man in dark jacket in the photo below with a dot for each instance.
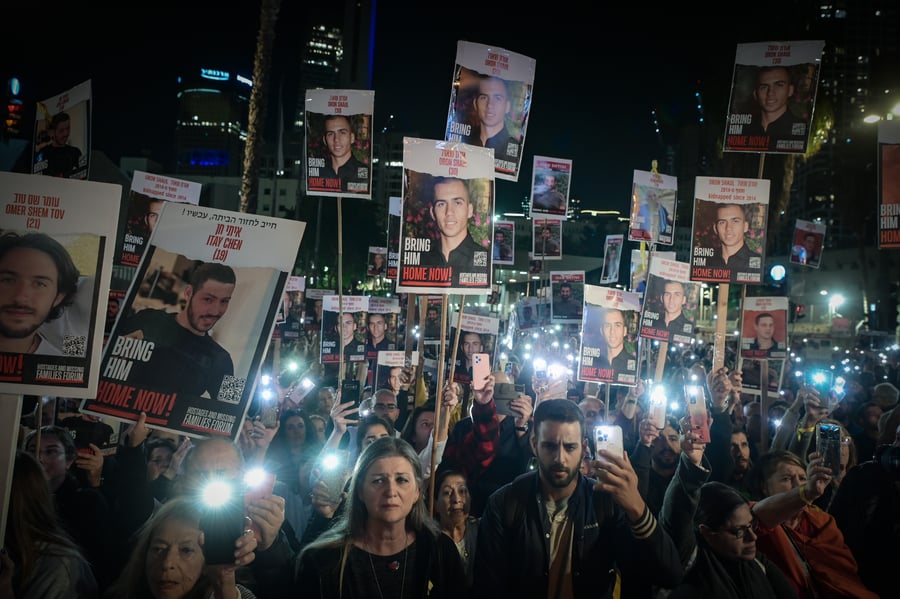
(556, 532)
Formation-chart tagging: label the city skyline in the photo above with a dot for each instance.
(596, 81)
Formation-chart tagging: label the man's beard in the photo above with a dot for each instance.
(547, 475)
(24, 330)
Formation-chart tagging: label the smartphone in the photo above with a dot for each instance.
(696, 406)
(504, 393)
(268, 415)
(657, 408)
(258, 483)
(222, 524)
(334, 472)
(609, 437)
(350, 391)
(828, 443)
(820, 380)
(481, 369)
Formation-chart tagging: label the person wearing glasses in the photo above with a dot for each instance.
(713, 528)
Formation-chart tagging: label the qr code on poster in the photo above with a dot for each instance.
(479, 259)
(74, 345)
(231, 390)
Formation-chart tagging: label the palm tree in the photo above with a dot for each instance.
(262, 63)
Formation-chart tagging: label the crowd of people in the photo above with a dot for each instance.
(493, 488)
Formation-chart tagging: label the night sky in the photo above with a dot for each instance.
(599, 71)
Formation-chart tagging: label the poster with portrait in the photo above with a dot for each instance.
(294, 304)
(314, 299)
(347, 329)
(670, 304)
(639, 267)
(504, 242)
(809, 241)
(478, 334)
(433, 307)
(773, 93)
(395, 204)
(377, 263)
(145, 200)
(609, 340)
(490, 101)
(751, 373)
(381, 325)
(532, 312)
(653, 198)
(62, 134)
(551, 181)
(448, 211)
(389, 366)
(339, 142)
(567, 303)
(729, 230)
(888, 184)
(58, 237)
(612, 254)
(764, 327)
(546, 239)
(197, 320)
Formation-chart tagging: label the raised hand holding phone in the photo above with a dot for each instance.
(696, 408)
(481, 370)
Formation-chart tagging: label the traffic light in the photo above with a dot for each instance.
(799, 311)
(12, 119)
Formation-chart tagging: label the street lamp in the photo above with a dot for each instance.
(834, 302)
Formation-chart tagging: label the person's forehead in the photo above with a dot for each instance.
(451, 190)
(338, 123)
(376, 430)
(453, 481)
(12, 259)
(613, 317)
(673, 287)
(376, 318)
(766, 319)
(774, 74)
(553, 431)
(730, 212)
(492, 86)
(214, 288)
(471, 338)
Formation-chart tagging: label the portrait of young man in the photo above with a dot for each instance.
(38, 281)
(185, 357)
(451, 209)
(731, 227)
(340, 162)
(491, 105)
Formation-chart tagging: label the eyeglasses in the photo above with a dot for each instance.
(740, 533)
(591, 414)
(385, 406)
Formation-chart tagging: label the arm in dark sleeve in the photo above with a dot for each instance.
(680, 503)
(273, 568)
(718, 450)
(492, 564)
(645, 551)
(640, 461)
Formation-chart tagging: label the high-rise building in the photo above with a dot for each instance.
(211, 124)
